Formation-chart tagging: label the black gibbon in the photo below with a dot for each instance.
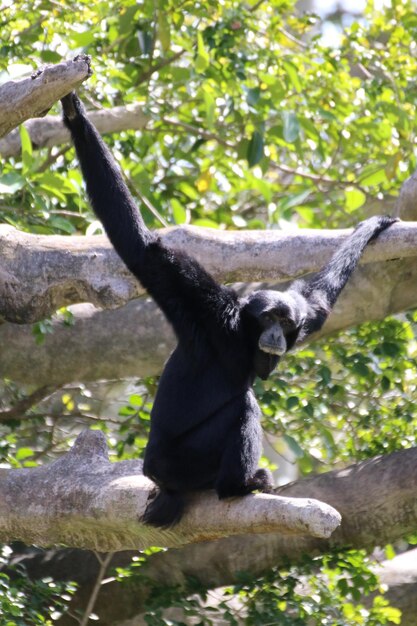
(205, 425)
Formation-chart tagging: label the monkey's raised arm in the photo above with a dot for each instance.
(185, 292)
(324, 289)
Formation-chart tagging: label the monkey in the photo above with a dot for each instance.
(205, 428)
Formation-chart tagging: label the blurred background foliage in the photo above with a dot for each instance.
(256, 119)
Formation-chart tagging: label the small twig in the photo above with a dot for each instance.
(104, 563)
(147, 203)
(159, 66)
(256, 6)
(52, 158)
(199, 132)
(18, 411)
(317, 178)
(292, 38)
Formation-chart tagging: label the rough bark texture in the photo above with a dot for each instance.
(83, 500)
(34, 96)
(39, 273)
(377, 499)
(50, 130)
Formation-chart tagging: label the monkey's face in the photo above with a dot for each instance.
(278, 317)
(275, 328)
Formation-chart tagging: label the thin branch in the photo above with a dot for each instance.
(317, 178)
(292, 38)
(52, 158)
(18, 412)
(104, 563)
(194, 130)
(256, 6)
(135, 190)
(159, 66)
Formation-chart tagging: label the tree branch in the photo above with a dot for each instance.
(34, 96)
(50, 130)
(20, 408)
(376, 498)
(39, 273)
(84, 500)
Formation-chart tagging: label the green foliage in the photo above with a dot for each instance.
(346, 398)
(24, 602)
(334, 590)
(232, 91)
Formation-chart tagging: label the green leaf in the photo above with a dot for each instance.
(178, 211)
(126, 19)
(354, 198)
(62, 224)
(205, 221)
(361, 369)
(293, 200)
(292, 73)
(210, 105)
(255, 149)
(253, 95)
(136, 400)
(203, 58)
(23, 453)
(11, 182)
(291, 126)
(294, 446)
(145, 41)
(372, 175)
(164, 32)
(82, 39)
(292, 402)
(26, 148)
(49, 56)
(57, 183)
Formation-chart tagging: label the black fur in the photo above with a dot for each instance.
(205, 425)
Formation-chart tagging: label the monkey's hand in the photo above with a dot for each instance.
(72, 107)
(71, 104)
(379, 222)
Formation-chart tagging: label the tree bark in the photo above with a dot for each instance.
(39, 273)
(377, 499)
(83, 500)
(34, 96)
(135, 340)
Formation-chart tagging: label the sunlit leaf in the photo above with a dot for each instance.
(355, 198)
(202, 60)
(203, 181)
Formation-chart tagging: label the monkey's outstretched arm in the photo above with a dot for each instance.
(322, 292)
(185, 292)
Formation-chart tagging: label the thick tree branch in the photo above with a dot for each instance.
(377, 499)
(84, 500)
(135, 340)
(39, 274)
(34, 96)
